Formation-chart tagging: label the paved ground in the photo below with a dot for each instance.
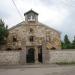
(38, 70)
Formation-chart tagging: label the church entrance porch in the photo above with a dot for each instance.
(34, 54)
(30, 57)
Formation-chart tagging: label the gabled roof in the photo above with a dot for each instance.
(30, 11)
(23, 23)
(19, 24)
(49, 27)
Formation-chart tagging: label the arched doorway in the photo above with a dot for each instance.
(30, 55)
(40, 54)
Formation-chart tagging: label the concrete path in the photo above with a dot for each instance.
(38, 70)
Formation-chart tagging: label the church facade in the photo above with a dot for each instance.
(33, 38)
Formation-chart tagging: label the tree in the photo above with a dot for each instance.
(73, 43)
(3, 32)
(62, 45)
(66, 44)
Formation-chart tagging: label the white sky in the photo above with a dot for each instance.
(58, 14)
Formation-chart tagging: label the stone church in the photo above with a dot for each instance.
(35, 39)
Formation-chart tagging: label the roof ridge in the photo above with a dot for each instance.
(49, 27)
(17, 25)
(30, 11)
(39, 23)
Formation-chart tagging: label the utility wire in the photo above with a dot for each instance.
(17, 9)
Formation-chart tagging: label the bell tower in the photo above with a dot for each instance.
(31, 16)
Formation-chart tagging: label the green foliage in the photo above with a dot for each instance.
(66, 63)
(62, 44)
(73, 43)
(3, 32)
(66, 40)
(66, 44)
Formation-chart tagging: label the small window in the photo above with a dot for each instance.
(31, 18)
(31, 38)
(47, 38)
(53, 48)
(19, 48)
(31, 30)
(14, 39)
(8, 49)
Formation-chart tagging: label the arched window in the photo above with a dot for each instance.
(31, 30)
(31, 38)
(48, 39)
(14, 39)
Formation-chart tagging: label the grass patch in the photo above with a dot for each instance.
(65, 63)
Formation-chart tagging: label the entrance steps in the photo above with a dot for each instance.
(29, 66)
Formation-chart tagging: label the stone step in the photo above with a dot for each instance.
(29, 66)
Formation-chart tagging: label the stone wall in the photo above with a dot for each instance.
(9, 57)
(18, 57)
(40, 32)
(62, 56)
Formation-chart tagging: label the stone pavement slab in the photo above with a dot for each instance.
(50, 70)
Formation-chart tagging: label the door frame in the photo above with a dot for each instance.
(28, 56)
